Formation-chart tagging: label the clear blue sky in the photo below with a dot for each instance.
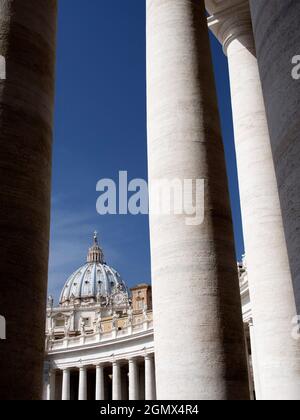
(100, 129)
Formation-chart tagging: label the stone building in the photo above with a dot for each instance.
(100, 338)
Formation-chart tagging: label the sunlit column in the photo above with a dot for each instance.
(116, 381)
(149, 378)
(133, 379)
(66, 384)
(99, 383)
(82, 390)
(193, 257)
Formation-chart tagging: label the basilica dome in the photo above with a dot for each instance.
(94, 281)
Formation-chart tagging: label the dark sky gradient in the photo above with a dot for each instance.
(100, 129)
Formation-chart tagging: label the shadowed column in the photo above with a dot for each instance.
(270, 282)
(277, 39)
(27, 42)
(199, 338)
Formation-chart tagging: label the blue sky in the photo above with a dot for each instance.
(100, 129)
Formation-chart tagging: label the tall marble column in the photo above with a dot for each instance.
(276, 32)
(270, 281)
(82, 390)
(193, 264)
(116, 381)
(27, 43)
(66, 384)
(149, 378)
(133, 379)
(99, 383)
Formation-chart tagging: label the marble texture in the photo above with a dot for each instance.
(269, 274)
(27, 41)
(200, 355)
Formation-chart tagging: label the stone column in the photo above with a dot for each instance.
(193, 264)
(251, 383)
(27, 48)
(149, 378)
(255, 366)
(276, 31)
(99, 383)
(133, 379)
(52, 383)
(116, 382)
(66, 384)
(270, 281)
(82, 390)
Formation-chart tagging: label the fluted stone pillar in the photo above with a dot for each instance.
(277, 38)
(66, 384)
(270, 281)
(133, 379)
(99, 383)
(150, 393)
(193, 266)
(116, 382)
(27, 42)
(82, 390)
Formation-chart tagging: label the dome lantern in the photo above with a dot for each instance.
(95, 254)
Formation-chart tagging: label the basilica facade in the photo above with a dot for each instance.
(100, 338)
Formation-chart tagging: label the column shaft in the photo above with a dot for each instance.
(133, 380)
(27, 42)
(82, 391)
(255, 366)
(66, 385)
(276, 31)
(116, 382)
(270, 282)
(193, 263)
(99, 383)
(149, 379)
(52, 383)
